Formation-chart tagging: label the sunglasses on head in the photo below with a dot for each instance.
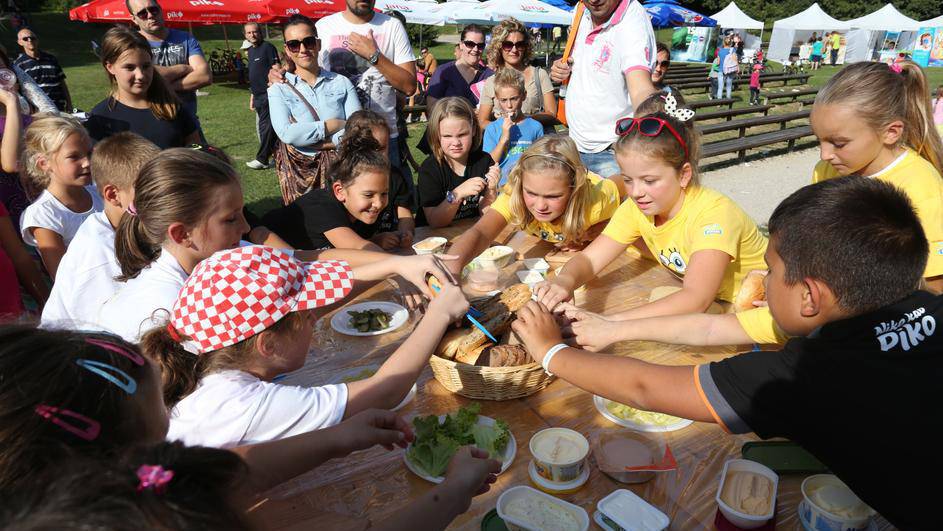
(147, 12)
(473, 44)
(648, 126)
(508, 45)
(294, 45)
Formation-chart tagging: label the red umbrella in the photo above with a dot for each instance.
(177, 12)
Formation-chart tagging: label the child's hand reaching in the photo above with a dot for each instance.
(416, 268)
(449, 301)
(9, 99)
(470, 473)
(589, 330)
(373, 427)
(405, 239)
(537, 328)
(550, 294)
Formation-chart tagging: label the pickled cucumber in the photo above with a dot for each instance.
(371, 320)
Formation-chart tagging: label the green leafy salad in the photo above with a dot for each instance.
(436, 442)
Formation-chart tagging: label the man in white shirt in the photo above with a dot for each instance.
(86, 276)
(610, 75)
(373, 51)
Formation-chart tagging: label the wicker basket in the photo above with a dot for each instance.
(489, 383)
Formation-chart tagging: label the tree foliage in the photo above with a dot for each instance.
(840, 9)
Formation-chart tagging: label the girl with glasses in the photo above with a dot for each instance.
(511, 47)
(699, 235)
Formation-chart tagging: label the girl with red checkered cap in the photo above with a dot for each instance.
(188, 205)
(244, 317)
(80, 413)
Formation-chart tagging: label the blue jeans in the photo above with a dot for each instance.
(602, 163)
(723, 79)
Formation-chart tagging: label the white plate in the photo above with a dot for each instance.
(601, 402)
(509, 452)
(363, 372)
(341, 319)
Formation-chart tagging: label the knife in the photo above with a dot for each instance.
(435, 287)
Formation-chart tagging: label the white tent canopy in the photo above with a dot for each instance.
(800, 26)
(494, 11)
(426, 12)
(933, 22)
(868, 33)
(734, 18)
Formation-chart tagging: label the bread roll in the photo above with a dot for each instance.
(752, 289)
(448, 347)
(505, 356)
(471, 356)
(516, 296)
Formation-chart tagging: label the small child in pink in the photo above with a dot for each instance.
(755, 85)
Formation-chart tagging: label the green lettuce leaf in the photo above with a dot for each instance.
(492, 439)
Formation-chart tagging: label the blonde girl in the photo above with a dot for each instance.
(550, 195)
(875, 120)
(58, 161)
(459, 179)
(699, 235)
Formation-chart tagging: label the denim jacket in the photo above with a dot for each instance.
(332, 96)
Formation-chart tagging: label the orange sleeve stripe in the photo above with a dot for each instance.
(707, 403)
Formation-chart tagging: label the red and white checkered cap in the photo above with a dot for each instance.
(237, 293)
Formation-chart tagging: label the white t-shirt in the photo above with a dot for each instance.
(374, 90)
(597, 95)
(47, 212)
(145, 301)
(233, 408)
(86, 276)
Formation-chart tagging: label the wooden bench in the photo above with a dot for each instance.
(730, 113)
(741, 145)
(744, 123)
(793, 95)
(784, 78)
(728, 102)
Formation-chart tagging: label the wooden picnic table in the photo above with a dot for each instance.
(366, 487)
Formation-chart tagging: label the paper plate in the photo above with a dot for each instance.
(601, 403)
(363, 372)
(509, 452)
(340, 320)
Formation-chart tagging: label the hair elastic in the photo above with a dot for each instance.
(133, 356)
(896, 68)
(172, 332)
(128, 385)
(153, 477)
(55, 415)
(131, 210)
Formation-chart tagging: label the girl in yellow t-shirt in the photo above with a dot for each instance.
(696, 233)
(875, 120)
(549, 194)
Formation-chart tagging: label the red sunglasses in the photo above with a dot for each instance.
(649, 126)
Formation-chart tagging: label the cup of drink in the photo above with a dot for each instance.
(7, 78)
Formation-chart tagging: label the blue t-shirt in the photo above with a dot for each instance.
(176, 49)
(522, 136)
(722, 55)
(817, 48)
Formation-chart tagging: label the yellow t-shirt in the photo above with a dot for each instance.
(707, 220)
(603, 202)
(758, 323)
(917, 178)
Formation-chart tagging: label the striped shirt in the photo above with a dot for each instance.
(48, 75)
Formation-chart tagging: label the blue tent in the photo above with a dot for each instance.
(670, 14)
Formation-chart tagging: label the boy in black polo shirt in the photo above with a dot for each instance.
(854, 385)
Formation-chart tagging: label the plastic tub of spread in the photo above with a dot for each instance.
(559, 454)
(530, 277)
(623, 509)
(430, 245)
(827, 503)
(537, 264)
(747, 493)
(553, 487)
(496, 257)
(631, 457)
(527, 509)
(484, 279)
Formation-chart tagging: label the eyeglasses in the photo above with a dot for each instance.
(472, 44)
(648, 126)
(663, 64)
(294, 45)
(508, 45)
(29, 38)
(147, 12)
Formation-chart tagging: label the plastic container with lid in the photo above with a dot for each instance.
(516, 523)
(496, 257)
(631, 457)
(554, 487)
(823, 497)
(739, 518)
(430, 245)
(559, 454)
(627, 511)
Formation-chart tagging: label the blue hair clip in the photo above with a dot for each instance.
(128, 385)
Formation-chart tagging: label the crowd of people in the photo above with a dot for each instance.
(146, 395)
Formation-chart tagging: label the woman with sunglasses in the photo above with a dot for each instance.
(140, 100)
(699, 235)
(309, 111)
(456, 78)
(511, 48)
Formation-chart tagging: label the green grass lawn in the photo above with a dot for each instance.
(224, 112)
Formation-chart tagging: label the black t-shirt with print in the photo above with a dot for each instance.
(110, 117)
(860, 394)
(400, 196)
(303, 223)
(435, 180)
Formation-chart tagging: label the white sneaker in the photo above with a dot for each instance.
(256, 165)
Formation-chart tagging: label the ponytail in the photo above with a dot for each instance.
(132, 248)
(920, 132)
(180, 371)
(880, 95)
